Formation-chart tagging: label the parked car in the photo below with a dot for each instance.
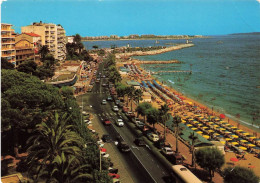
(167, 151)
(114, 175)
(153, 137)
(112, 170)
(104, 102)
(140, 142)
(140, 125)
(130, 114)
(109, 98)
(125, 109)
(117, 102)
(136, 120)
(177, 159)
(107, 121)
(123, 147)
(115, 108)
(106, 138)
(120, 122)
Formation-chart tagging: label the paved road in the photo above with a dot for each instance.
(140, 162)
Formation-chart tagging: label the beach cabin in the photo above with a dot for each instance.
(134, 83)
(147, 97)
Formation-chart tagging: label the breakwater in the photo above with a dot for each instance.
(153, 52)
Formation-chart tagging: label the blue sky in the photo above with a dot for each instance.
(124, 17)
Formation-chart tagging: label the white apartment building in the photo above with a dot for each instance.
(52, 35)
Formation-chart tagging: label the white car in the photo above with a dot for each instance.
(115, 108)
(153, 137)
(119, 122)
(167, 151)
(104, 102)
(137, 120)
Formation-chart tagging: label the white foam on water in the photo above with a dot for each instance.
(249, 124)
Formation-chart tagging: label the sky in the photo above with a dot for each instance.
(125, 17)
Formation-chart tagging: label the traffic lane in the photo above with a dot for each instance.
(135, 168)
(150, 162)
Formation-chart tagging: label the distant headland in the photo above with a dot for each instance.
(138, 37)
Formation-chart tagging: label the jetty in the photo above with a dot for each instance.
(156, 62)
(158, 72)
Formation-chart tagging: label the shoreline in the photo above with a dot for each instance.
(233, 122)
(215, 113)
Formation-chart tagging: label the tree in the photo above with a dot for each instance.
(28, 67)
(44, 51)
(138, 95)
(152, 116)
(164, 116)
(210, 159)
(194, 139)
(53, 139)
(239, 174)
(130, 93)
(6, 65)
(176, 123)
(25, 102)
(142, 109)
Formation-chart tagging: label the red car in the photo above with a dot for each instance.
(107, 122)
(114, 175)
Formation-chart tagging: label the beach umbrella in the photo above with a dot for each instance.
(234, 143)
(222, 129)
(210, 131)
(222, 116)
(234, 159)
(252, 137)
(251, 145)
(243, 148)
(188, 125)
(228, 139)
(233, 127)
(238, 130)
(199, 124)
(194, 128)
(227, 132)
(205, 127)
(234, 136)
(199, 132)
(206, 136)
(243, 140)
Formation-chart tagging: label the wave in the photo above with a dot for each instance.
(171, 81)
(241, 121)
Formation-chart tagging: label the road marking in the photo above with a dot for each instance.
(134, 147)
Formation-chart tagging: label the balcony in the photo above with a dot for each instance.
(7, 30)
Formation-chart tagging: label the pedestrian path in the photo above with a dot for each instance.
(106, 114)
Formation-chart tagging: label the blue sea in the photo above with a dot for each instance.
(225, 72)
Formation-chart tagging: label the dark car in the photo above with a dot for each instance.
(113, 170)
(107, 138)
(139, 142)
(107, 122)
(177, 159)
(124, 147)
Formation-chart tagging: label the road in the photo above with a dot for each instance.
(141, 163)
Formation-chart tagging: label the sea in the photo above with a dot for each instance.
(225, 72)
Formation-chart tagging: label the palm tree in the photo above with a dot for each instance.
(164, 117)
(194, 139)
(130, 93)
(44, 51)
(176, 123)
(52, 138)
(138, 95)
(65, 170)
(142, 109)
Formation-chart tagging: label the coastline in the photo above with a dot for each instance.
(233, 122)
(215, 113)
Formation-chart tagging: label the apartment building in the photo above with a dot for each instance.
(27, 46)
(8, 43)
(61, 35)
(52, 35)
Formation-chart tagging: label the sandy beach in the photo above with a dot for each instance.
(250, 162)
